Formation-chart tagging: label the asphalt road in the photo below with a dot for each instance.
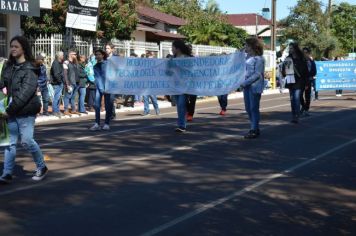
(142, 178)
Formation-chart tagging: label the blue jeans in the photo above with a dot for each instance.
(181, 110)
(70, 97)
(252, 106)
(109, 104)
(82, 93)
(294, 95)
(146, 103)
(23, 128)
(57, 97)
(45, 98)
(223, 101)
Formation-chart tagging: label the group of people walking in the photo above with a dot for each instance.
(22, 76)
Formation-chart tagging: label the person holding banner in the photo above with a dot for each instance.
(254, 84)
(295, 71)
(100, 76)
(180, 49)
(20, 78)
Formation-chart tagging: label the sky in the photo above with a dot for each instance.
(255, 6)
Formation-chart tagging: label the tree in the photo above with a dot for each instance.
(212, 7)
(343, 21)
(205, 25)
(117, 19)
(307, 24)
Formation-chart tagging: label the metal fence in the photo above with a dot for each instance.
(49, 45)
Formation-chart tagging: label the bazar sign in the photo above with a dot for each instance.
(23, 7)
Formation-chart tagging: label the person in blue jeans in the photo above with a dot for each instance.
(253, 84)
(42, 84)
(72, 82)
(19, 77)
(83, 79)
(146, 109)
(295, 71)
(180, 49)
(57, 81)
(99, 74)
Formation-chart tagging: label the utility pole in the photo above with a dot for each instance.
(329, 14)
(273, 42)
(273, 26)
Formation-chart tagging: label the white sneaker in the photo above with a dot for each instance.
(106, 127)
(95, 127)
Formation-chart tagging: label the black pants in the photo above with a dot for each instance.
(305, 97)
(91, 98)
(223, 101)
(313, 85)
(191, 100)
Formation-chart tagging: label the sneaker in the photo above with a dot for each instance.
(252, 134)
(106, 127)
(45, 113)
(40, 174)
(180, 130)
(338, 95)
(222, 112)
(75, 113)
(306, 113)
(5, 179)
(84, 112)
(95, 127)
(189, 118)
(146, 114)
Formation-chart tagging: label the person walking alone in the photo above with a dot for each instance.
(20, 77)
(253, 84)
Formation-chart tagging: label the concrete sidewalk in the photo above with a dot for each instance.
(161, 104)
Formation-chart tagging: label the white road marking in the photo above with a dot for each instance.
(249, 188)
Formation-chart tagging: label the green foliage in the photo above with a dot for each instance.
(343, 21)
(50, 21)
(117, 19)
(308, 24)
(205, 26)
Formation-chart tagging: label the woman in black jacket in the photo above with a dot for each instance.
(295, 71)
(20, 79)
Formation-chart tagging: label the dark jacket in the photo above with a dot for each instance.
(83, 78)
(300, 73)
(57, 76)
(70, 73)
(311, 68)
(42, 78)
(20, 81)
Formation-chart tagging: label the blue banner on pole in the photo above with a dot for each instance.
(334, 75)
(215, 75)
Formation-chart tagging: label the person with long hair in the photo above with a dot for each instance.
(253, 84)
(295, 71)
(180, 49)
(100, 77)
(20, 77)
